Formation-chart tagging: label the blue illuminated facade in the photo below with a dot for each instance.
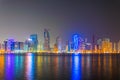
(9, 45)
(76, 42)
(34, 41)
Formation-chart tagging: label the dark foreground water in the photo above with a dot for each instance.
(83, 67)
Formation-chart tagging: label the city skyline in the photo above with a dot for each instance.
(20, 18)
(94, 38)
(59, 39)
(78, 44)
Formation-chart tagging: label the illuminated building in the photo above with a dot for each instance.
(46, 40)
(34, 42)
(27, 45)
(55, 48)
(106, 46)
(77, 45)
(5, 45)
(40, 47)
(88, 48)
(93, 43)
(76, 42)
(82, 47)
(68, 46)
(59, 44)
(9, 45)
(99, 45)
(96, 49)
(0, 46)
(118, 45)
(114, 48)
(72, 46)
(63, 47)
(19, 45)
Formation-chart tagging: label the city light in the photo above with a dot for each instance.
(29, 39)
(77, 46)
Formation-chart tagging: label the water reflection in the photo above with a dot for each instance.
(76, 68)
(32, 67)
(1, 67)
(9, 67)
(39, 66)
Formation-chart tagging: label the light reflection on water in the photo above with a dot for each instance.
(32, 67)
(76, 68)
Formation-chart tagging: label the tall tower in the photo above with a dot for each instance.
(76, 42)
(34, 41)
(46, 40)
(59, 43)
(106, 45)
(114, 47)
(93, 43)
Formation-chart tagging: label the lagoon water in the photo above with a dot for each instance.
(82, 67)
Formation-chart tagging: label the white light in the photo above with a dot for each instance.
(76, 53)
(29, 39)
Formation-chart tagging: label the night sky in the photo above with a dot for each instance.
(20, 18)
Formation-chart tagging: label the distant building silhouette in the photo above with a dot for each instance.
(59, 43)
(46, 40)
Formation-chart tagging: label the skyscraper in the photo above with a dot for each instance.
(59, 44)
(76, 42)
(114, 47)
(9, 45)
(99, 45)
(34, 41)
(106, 45)
(46, 40)
(26, 46)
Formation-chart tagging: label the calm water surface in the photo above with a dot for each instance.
(83, 67)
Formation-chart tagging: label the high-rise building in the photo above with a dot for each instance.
(114, 48)
(26, 46)
(19, 45)
(9, 44)
(88, 48)
(34, 42)
(99, 45)
(106, 45)
(40, 47)
(76, 42)
(93, 43)
(59, 43)
(55, 49)
(46, 40)
(68, 46)
(118, 46)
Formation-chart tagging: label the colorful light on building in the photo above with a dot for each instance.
(76, 42)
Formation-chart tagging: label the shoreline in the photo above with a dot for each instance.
(59, 54)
